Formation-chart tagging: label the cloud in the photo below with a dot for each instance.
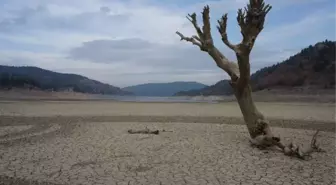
(134, 41)
(307, 26)
(142, 52)
(111, 18)
(169, 60)
(138, 52)
(40, 18)
(160, 60)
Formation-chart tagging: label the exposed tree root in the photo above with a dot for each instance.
(264, 141)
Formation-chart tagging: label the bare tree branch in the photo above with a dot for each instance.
(197, 38)
(192, 18)
(206, 27)
(222, 30)
(205, 42)
(251, 22)
(192, 40)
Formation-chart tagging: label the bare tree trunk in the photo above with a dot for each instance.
(251, 22)
(252, 116)
(257, 125)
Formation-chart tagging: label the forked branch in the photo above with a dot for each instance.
(194, 40)
(205, 42)
(204, 38)
(192, 18)
(222, 30)
(251, 21)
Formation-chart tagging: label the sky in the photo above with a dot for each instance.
(128, 42)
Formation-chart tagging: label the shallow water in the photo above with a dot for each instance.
(158, 99)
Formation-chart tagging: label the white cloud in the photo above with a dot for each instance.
(307, 26)
(123, 20)
(134, 41)
(116, 73)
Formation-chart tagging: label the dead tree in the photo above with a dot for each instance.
(251, 21)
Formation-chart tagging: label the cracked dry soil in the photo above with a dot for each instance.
(52, 150)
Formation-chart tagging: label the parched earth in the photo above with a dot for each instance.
(96, 149)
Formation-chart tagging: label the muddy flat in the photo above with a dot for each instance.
(300, 111)
(86, 142)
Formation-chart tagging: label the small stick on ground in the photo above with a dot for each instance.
(147, 131)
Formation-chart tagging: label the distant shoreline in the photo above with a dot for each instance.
(37, 95)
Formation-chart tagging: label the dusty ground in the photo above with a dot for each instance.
(87, 143)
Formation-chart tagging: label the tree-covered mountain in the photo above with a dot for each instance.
(220, 88)
(34, 77)
(311, 68)
(163, 89)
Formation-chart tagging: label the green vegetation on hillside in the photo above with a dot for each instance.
(163, 89)
(220, 88)
(312, 67)
(37, 78)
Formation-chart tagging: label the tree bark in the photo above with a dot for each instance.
(252, 116)
(255, 121)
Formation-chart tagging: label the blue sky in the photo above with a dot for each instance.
(126, 42)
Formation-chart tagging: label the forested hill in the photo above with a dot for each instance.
(34, 77)
(163, 89)
(220, 88)
(313, 68)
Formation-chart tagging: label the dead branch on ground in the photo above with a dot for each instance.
(146, 131)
